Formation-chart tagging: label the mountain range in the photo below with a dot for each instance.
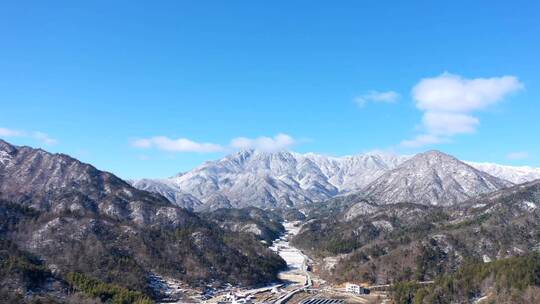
(65, 225)
(286, 179)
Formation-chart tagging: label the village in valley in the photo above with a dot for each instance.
(300, 284)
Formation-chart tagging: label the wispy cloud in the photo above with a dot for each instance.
(518, 155)
(36, 135)
(448, 102)
(44, 138)
(4, 132)
(176, 145)
(423, 140)
(143, 157)
(263, 143)
(376, 97)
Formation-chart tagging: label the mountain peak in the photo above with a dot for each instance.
(5, 146)
(434, 154)
(432, 178)
(58, 183)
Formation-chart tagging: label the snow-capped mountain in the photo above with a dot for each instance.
(272, 179)
(517, 175)
(432, 178)
(269, 179)
(169, 191)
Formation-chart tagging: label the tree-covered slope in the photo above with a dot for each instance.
(75, 218)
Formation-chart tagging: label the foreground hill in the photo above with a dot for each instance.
(74, 218)
(514, 280)
(356, 240)
(57, 183)
(264, 224)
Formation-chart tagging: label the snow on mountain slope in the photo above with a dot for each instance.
(5, 158)
(254, 178)
(514, 174)
(432, 178)
(263, 179)
(58, 183)
(172, 193)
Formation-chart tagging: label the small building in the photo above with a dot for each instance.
(231, 298)
(356, 289)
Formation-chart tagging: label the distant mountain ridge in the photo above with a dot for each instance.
(514, 174)
(278, 179)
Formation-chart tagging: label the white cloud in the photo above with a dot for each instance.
(143, 157)
(452, 93)
(10, 133)
(263, 143)
(36, 135)
(44, 138)
(446, 124)
(176, 145)
(376, 96)
(449, 101)
(142, 143)
(518, 155)
(423, 140)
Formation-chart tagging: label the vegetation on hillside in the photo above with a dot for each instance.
(107, 293)
(264, 224)
(408, 242)
(511, 280)
(123, 254)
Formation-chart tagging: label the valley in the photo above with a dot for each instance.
(298, 282)
(269, 152)
(69, 231)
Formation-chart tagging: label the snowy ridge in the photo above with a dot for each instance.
(277, 179)
(432, 178)
(515, 174)
(267, 179)
(5, 158)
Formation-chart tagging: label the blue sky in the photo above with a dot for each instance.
(148, 89)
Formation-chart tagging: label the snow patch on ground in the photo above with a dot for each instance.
(5, 158)
(291, 255)
(529, 205)
(252, 228)
(481, 299)
(361, 208)
(171, 289)
(383, 225)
